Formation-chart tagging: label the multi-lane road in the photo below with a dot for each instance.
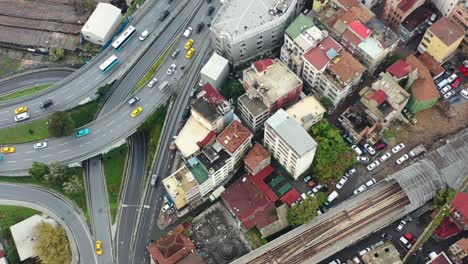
(22, 81)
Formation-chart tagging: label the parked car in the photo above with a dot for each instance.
(318, 188)
(370, 149)
(312, 183)
(362, 159)
(449, 94)
(400, 226)
(405, 243)
(385, 157)
(398, 147)
(341, 182)
(445, 89)
(464, 93)
(307, 178)
(364, 252)
(165, 208)
(210, 11)
(456, 83)
(402, 159)
(410, 237)
(452, 78)
(350, 172)
(171, 69)
(386, 236)
(336, 261)
(373, 165)
(360, 189)
(380, 145)
(463, 70)
(356, 149)
(370, 182)
(356, 260)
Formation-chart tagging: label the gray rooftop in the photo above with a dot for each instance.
(255, 106)
(291, 132)
(385, 35)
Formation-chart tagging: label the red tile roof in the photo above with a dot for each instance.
(172, 247)
(460, 204)
(234, 136)
(249, 204)
(446, 31)
(207, 140)
(358, 28)
(447, 229)
(258, 180)
(399, 69)
(290, 197)
(192, 258)
(256, 155)
(262, 65)
(212, 95)
(351, 38)
(440, 259)
(423, 87)
(347, 4)
(318, 57)
(379, 96)
(431, 64)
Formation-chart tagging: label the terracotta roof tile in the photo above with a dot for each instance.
(255, 156)
(423, 88)
(446, 31)
(234, 136)
(262, 65)
(431, 64)
(399, 69)
(347, 68)
(172, 247)
(318, 57)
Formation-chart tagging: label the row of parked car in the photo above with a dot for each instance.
(449, 82)
(369, 149)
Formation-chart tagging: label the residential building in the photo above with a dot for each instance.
(330, 71)
(441, 258)
(459, 17)
(384, 254)
(269, 86)
(289, 143)
(385, 99)
(257, 159)
(172, 247)
(424, 93)
(415, 23)
(215, 71)
(432, 65)
(441, 40)
(459, 250)
(396, 11)
(445, 6)
(243, 30)
(370, 3)
(307, 112)
(102, 24)
(459, 212)
(192, 137)
(360, 123)
(182, 188)
(211, 109)
(236, 139)
(299, 38)
(24, 235)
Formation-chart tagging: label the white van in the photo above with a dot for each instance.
(164, 85)
(21, 117)
(187, 32)
(332, 197)
(405, 243)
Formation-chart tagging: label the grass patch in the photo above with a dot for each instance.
(232, 90)
(24, 92)
(154, 68)
(8, 65)
(114, 165)
(10, 215)
(38, 129)
(254, 238)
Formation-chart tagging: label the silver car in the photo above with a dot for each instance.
(171, 69)
(40, 145)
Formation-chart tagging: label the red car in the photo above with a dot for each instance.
(410, 238)
(456, 83)
(463, 70)
(312, 183)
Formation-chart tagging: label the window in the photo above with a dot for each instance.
(426, 39)
(423, 44)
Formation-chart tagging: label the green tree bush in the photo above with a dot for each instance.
(52, 245)
(60, 124)
(303, 212)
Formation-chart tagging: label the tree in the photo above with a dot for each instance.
(38, 171)
(321, 198)
(61, 124)
(103, 91)
(326, 102)
(57, 174)
(303, 212)
(73, 186)
(52, 244)
(333, 156)
(56, 54)
(442, 197)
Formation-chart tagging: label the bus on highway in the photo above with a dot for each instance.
(109, 63)
(124, 37)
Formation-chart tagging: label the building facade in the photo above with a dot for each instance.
(254, 30)
(215, 71)
(102, 24)
(289, 143)
(396, 11)
(445, 6)
(459, 17)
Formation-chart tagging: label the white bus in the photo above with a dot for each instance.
(109, 63)
(124, 37)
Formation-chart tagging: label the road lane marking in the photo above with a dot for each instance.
(5, 119)
(112, 122)
(88, 142)
(3, 112)
(63, 144)
(27, 159)
(37, 111)
(48, 155)
(98, 77)
(30, 151)
(97, 131)
(63, 151)
(70, 96)
(12, 161)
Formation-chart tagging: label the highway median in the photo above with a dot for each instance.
(25, 92)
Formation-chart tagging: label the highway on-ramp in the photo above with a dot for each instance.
(21, 81)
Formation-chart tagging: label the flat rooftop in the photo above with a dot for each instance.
(255, 106)
(215, 66)
(192, 133)
(236, 17)
(198, 170)
(213, 162)
(306, 109)
(234, 136)
(179, 184)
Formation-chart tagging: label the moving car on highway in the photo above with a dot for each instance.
(40, 145)
(82, 132)
(189, 44)
(187, 32)
(7, 150)
(171, 69)
(21, 109)
(133, 101)
(152, 82)
(136, 111)
(144, 34)
(22, 117)
(190, 53)
(98, 247)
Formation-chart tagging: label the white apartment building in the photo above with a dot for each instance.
(215, 71)
(331, 71)
(102, 24)
(445, 6)
(289, 143)
(243, 30)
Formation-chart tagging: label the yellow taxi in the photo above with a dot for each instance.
(7, 150)
(98, 247)
(21, 109)
(189, 44)
(190, 53)
(136, 112)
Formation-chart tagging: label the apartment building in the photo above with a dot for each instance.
(396, 11)
(307, 112)
(289, 143)
(415, 23)
(330, 71)
(458, 251)
(445, 6)
(459, 17)
(243, 30)
(182, 188)
(269, 85)
(236, 139)
(257, 159)
(299, 38)
(441, 40)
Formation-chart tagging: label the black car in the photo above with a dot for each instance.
(47, 104)
(210, 11)
(163, 15)
(200, 27)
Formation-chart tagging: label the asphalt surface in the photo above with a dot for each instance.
(115, 125)
(134, 177)
(60, 209)
(98, 207)
(33, 79)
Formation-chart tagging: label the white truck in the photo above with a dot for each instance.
(216, 193)
(164, 85)
(417, 150)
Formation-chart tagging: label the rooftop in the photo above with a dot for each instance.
(447, 228)
(102, 19)
(417, 17)
(192, 258)
(357, 13)
(446, 31)
(299, 25)
(406, 5)
(306, 109)
(309, 38)
(192, 133)
(321, 55)
(347, 4)
(254, 105)
(212, 160)
(440, 259)
(271, 79)
(178, 185)
(460, 204)
(291, 132)
(399, 69)
(358, 119)
(346, 67)
(463, 244)
(171, 247)
(198, 170)
(371, 47)
(249, 204)
(214, 67)
(360, 29)
(351, 38)
(259, 181)
(234, 136)
(383, 34)
(256, 155)
(385, 254)
(423, 87)
(239, 17)
(210, 104)
(431, 64)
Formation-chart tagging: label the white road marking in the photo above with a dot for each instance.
(12, 161)
(111, 122)
(37, 111)
(63, 151)
(27, 159)
(97, 131)
(48, 155)
(5, 119)
(30, 151)
(63, 144)
(88, 142)
(70, 96)
(3, 112)
(98, 77)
